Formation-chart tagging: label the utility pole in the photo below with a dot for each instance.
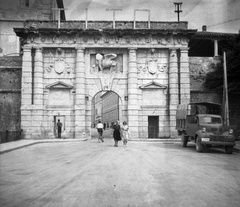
(178, 6)
(225, 91)
(86, 20)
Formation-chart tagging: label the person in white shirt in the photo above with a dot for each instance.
(100, 130)
(125, 133)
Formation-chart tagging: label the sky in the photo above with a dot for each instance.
(217, 15)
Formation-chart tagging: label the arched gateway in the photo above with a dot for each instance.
(63, 68)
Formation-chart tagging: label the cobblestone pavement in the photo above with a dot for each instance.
(88, 173)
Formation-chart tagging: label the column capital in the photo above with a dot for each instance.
(27, 47)
(173, 50)
(184, 49)
(132, 48)
(80, 48)
(38, 48)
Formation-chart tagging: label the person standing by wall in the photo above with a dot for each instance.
(59, 128)
(116, 133)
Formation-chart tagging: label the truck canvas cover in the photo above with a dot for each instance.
(198, 108)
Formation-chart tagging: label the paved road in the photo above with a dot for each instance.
(92, 174)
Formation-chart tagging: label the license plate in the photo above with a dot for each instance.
(205, 139)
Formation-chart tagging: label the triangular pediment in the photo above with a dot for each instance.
(153, 85)
(59, 85)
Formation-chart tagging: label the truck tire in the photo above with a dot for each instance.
(199, 146)
(229, 149)
(184, 140)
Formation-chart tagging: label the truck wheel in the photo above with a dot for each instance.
(199, 146)
(229, 149)
(184, 140)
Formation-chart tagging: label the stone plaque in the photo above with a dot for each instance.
(59, 97)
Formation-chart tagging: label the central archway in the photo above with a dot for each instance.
(107, 107)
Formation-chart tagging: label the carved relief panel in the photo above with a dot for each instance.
(106, 64)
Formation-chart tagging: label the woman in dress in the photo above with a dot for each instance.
(116, 133)
(125, 133)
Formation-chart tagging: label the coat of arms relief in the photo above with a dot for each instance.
(152, 66)
(57, 62)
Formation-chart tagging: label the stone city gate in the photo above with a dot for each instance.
(63, 68)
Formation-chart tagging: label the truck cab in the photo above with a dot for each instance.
(202, 124)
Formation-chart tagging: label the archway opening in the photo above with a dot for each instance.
(106, 106)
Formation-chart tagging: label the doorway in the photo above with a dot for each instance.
(153, 126)
(62, 119)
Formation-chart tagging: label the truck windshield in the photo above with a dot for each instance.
(210, 120)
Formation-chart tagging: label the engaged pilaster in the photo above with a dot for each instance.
(173, 91)
(80, 108)
(133, 93)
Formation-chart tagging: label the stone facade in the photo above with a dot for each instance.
(63, 69)
(13, 13)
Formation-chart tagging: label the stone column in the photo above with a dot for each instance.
(185, 76)
(133, 93)
(26, 92)
(80, 108)
(173, 91)
(37, 112)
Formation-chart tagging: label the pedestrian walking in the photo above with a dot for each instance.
(59, 128)
(104, 126)
(116, 133)
(100, 130)
(125, 133)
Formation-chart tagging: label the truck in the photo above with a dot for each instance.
(203, 124)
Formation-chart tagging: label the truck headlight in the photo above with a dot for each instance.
(230, 131)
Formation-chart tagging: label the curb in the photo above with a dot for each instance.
(39, 142)
(155, 140)
(237, 150)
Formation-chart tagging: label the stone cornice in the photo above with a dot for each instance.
(21, 32)
(99, 25)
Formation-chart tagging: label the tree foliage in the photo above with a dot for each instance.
(214, 79)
